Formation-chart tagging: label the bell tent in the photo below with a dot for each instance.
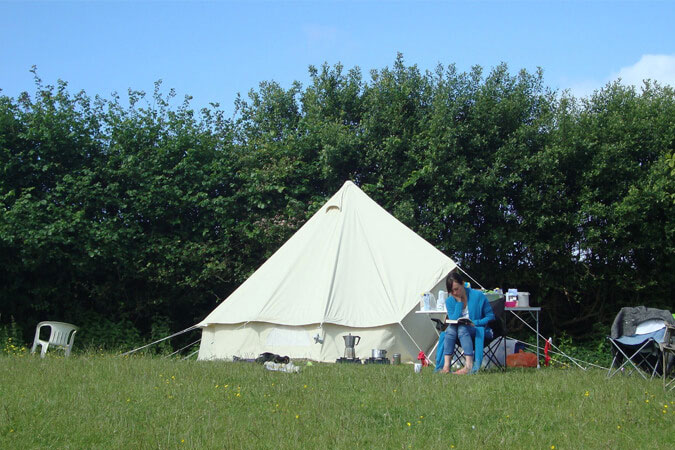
(351, 268)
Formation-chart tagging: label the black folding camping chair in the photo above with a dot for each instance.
(498, 326)
(490, 347)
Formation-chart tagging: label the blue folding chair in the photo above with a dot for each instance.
(639, 352)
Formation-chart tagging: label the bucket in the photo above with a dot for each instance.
(397, 358)
(523, 299)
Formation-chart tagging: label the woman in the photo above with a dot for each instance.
(465, 303)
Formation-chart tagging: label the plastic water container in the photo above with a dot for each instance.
(523, 299)
(440, 302)
(425, 302)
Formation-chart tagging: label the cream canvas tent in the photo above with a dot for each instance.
(352, 268)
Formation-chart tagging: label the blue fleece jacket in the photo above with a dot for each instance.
(480, 313)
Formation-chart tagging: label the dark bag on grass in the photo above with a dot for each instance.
(267, 356)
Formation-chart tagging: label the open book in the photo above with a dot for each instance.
(460, 321)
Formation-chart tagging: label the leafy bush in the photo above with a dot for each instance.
(11, 339)
(123, 210)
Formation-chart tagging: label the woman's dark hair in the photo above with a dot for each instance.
(453, 276)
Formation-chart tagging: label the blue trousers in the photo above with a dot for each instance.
(466, 335)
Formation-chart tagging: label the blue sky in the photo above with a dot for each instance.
(212, 50)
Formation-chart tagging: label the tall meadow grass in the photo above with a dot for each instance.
(104, 401)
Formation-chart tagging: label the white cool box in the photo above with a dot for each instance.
(523, 299)
(515, 298)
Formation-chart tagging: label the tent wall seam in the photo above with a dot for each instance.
(332, 279)
(370, 251)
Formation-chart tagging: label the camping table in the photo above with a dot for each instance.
(533, 313)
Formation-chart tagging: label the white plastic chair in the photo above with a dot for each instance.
(61, 335)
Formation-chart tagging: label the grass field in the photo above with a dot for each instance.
(102, 401)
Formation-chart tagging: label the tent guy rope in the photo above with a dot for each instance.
(159, 340)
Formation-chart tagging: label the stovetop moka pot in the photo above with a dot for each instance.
(350, 343)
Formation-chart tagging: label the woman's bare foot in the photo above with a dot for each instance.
(468, 365)
(445, 370)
